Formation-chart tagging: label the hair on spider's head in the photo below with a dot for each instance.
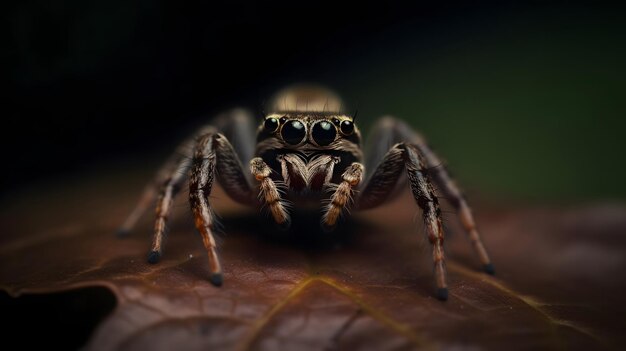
(316, 98)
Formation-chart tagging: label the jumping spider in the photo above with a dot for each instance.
(307, 145)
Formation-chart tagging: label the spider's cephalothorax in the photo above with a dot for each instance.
(308, 146)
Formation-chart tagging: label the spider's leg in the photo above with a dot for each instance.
(168, 193)
(342, 196)
(424, 195)
(456, 198)
(379, 186)
(441, 177)
(269, 192)
(174, 166)
(214, 155)
(236, 125)
(200, 183)
(169, 190)
(406, 156)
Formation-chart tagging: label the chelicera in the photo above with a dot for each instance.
(305, 147)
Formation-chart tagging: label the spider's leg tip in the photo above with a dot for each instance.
(442, 294)
(154, 257)
(122, 233)
(217, 279)
(489, 269)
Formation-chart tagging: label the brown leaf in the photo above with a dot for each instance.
(558, 285)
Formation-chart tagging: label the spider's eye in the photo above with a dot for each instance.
(324, 133)
(336, 121)
(347, 127)
(293, 132)
(271, 125)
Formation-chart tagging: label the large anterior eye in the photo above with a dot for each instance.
(293, 132)
(324, 133)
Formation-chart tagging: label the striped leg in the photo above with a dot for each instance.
(351, 177)
(214, 153)
(452, 192)
(392, 130)
(200, 183)
(455, 197)
(164, 206)
(424, 195)
(176, 165)
(237, 125)
(269, 192)
(212, 146)
(383, 180)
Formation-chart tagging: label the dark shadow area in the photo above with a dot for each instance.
(304, 233)
(58, 321)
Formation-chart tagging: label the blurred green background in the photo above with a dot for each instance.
(530, 106)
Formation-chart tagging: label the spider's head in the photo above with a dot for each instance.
(308, 118)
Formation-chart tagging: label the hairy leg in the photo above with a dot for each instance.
(269, 192)
(176, 165)
(342, 196)
(237, 125)
(214, 153)
(200, 183)
(231, 177)
(164, 206)
(407, 157)
(424, 195)
(392, 130)
(381, 183)
(174, 178)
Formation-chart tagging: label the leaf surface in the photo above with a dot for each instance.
(558, 286)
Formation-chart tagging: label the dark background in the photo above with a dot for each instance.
(526, 100)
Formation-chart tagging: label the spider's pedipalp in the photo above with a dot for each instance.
(342, 196)
(269, 192)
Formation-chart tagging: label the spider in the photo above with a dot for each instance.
(305, 147)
